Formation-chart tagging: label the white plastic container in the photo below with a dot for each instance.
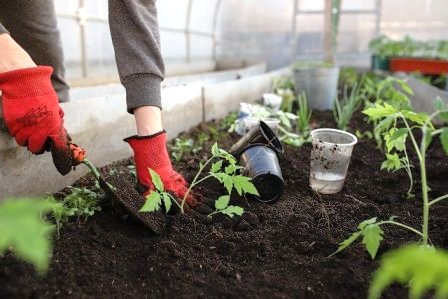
(330, 157)
(272, 100)
(250, 122)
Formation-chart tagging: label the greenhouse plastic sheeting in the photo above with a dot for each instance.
(235, 33)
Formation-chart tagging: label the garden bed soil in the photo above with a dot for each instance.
(275, 250)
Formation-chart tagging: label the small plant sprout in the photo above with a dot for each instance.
(420, 268)
(302, 119)
(397, 156)
(409, 120)
(303, 116)
(222, 206)
(183, 146)
(224, 169)
(226, 175)
(344, 109)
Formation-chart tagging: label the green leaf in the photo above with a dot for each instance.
(215, 149)
(243, 184)
(23, 230)
(393, 162)
(444, 139)
(373, 235)
(232, 211)
(153, 202)
(422, 269)
(230, 169)
(367, 222)
(347, 242)
(222, 202)
(419, 118)
(166, 201)
(396, 138)
(216, 166)
(156, 180)
(380, 111)
(228, 182)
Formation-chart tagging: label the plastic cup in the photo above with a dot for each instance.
(272, 100)
(330, 157)
(250, 122)
(261, 164)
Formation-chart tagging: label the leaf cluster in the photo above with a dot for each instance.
(23, 230)
(183, 146)
(81, 203)
(421, 268)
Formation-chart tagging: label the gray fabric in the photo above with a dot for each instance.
(135, 36)
(33, 25)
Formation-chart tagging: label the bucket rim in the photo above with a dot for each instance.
(354, 138)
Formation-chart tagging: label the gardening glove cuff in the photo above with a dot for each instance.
(150, 152)
(32, 114)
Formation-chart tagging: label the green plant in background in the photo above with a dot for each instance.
(228, 175)
(24, 232)
(420, 268)
(363, 135)
(371, 229)
(202, 137)
(397, 156)
(394, 92)
(409, 47)
(348, 76)
(282, 83)
(181, 147)
(81, 203)
(228, 122)
(303, 115)
(284, 87)
(288, 99)
(344, 109)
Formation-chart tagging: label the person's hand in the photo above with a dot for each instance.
(32, 114)
(151, 152)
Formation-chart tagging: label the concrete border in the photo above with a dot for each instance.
(185, 105)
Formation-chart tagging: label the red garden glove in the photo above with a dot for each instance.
(32, 114)
(151, 152)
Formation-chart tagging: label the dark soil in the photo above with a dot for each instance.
(275, 250)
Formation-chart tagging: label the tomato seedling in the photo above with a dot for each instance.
(386, 114)
(224, 169)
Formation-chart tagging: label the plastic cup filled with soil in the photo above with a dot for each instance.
(250, 122)
(330, 156)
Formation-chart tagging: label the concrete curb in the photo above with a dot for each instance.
(99, 123)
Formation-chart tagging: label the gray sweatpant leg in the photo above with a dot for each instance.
(135, 36)
(33, 25)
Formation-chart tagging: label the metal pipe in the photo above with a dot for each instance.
(294, 30)
(187, 32)
(82, 22)
(214, 27)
